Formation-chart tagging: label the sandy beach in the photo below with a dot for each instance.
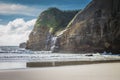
(103, 71)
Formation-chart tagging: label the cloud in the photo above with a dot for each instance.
(7, 9)
(16, 31)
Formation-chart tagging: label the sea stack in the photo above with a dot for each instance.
(22, 45)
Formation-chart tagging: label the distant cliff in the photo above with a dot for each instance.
(94, 29)
(22, 45)
(49, 23)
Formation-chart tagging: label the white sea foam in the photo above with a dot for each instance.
(47, 57)
(18, 55)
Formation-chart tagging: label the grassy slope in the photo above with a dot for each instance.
(55, 19)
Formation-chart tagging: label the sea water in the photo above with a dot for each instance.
(12, 57)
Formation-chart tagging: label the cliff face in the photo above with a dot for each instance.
(49, 23)
(95, 29)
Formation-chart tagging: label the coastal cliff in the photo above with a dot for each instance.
(49, 23)
(93, 29)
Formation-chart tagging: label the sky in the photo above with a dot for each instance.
(17, 17)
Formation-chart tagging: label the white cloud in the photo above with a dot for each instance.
(7, 9)
(15, 31)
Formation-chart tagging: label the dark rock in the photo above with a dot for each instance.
(89, 55)
(22, 45)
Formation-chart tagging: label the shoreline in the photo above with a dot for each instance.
(67, 63)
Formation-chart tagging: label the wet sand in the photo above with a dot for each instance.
(103, 71)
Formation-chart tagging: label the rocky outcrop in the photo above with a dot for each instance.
(22, 45)
(49, 23)
(94, 29)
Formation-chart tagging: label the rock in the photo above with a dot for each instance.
(22, 45)
(89, 55)
(94, 29)
(47, 25)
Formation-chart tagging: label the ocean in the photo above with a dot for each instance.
(13, 57)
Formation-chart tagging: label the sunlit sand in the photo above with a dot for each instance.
(104, 71)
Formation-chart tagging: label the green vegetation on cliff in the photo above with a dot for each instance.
(55, 19)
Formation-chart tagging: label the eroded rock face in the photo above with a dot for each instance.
(37, 39)
(95, 29)
(47, 25)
